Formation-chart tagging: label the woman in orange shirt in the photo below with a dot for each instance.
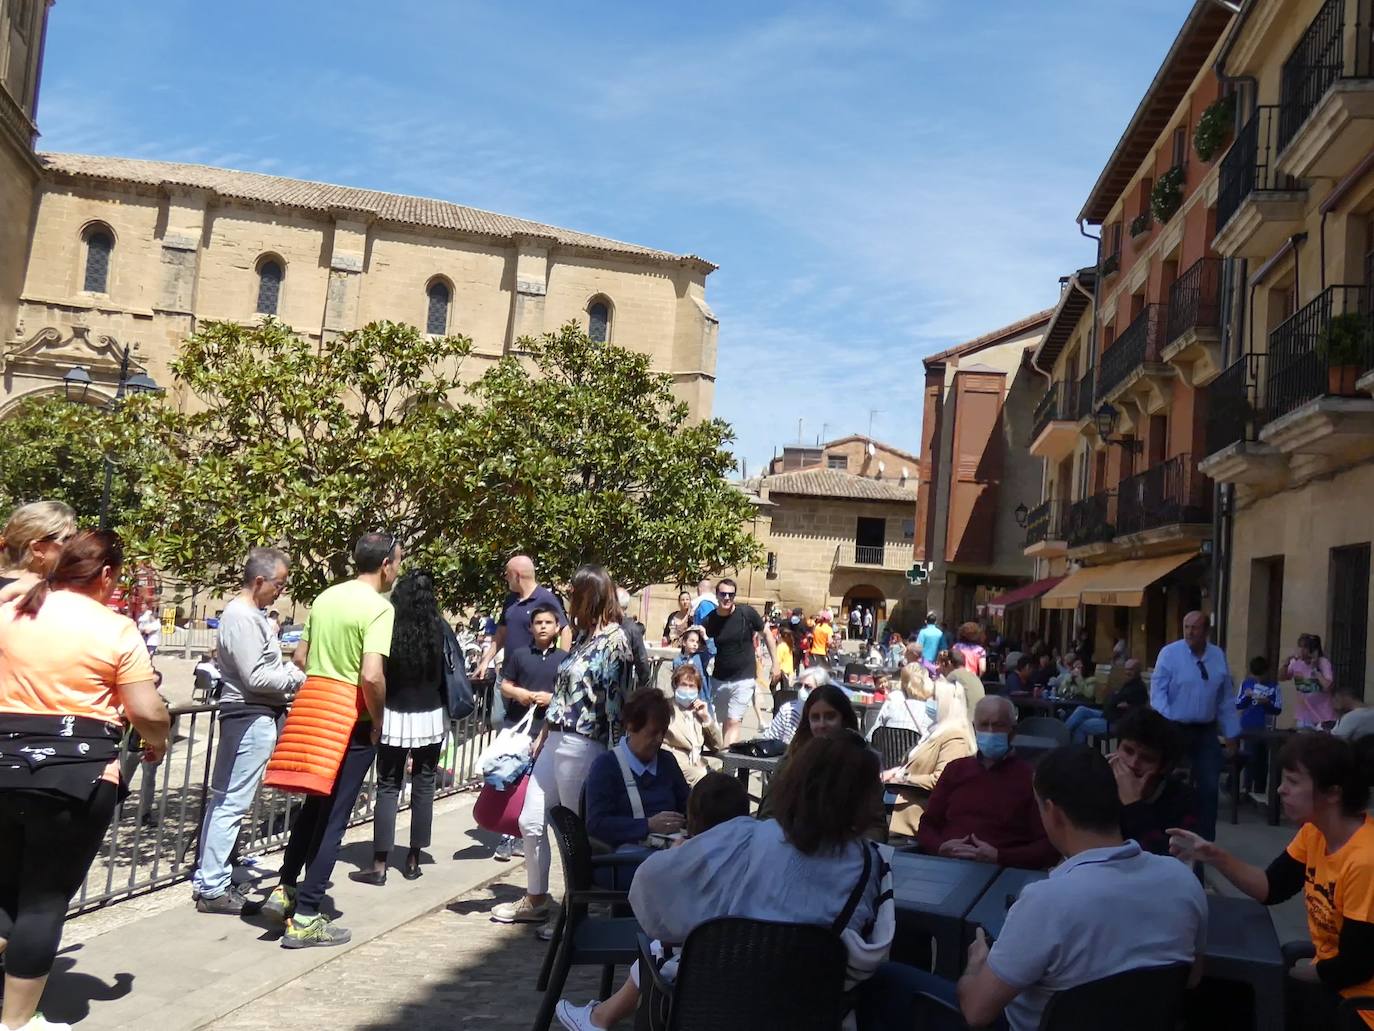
(71, 670)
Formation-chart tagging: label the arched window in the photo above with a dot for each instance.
(599, 320)
(436, 315)
(270, 275)
(99, 247)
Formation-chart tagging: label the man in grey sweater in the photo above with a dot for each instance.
(258, 685)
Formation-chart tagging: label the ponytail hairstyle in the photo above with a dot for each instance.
(83, 559)
(29, 524)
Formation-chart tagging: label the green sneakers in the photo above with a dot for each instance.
(313, 932)
(280, 904)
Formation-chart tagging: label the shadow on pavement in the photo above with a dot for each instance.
(69, 994)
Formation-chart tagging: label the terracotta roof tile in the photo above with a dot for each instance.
(997, 336)
(832, 483)
(323, 197)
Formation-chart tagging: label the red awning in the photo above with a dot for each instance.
(1019, 595)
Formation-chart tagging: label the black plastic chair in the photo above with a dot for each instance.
(736, 974)
(894, 744)
(1350, 1010)
(783, 696)
(1147, 999)
(856, 669)
(579, 938)
(1044, 726)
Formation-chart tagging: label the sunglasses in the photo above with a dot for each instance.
(1201, 668)
(725, 595)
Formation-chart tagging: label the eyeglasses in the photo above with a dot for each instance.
(1201, 668)
(725, 595)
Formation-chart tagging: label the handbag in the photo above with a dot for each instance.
(514, 741)
(457, 688)
(759, 748)
(498, 809)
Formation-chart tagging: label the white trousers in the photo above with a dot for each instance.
(557, 779)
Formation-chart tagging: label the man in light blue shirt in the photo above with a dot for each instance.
(932, 641)
(1191, 685)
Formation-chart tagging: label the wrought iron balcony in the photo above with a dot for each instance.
(1195, 300)
(1321, 349)
(1249, 165)
(1060, 404)
(892, 556)
(1092, 520)
(1138, 344)
(1084, 398)
(1045, 523)
(1321, 59)
(1234, 412)
(1170, 494)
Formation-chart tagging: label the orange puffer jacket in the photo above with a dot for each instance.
(313, 742)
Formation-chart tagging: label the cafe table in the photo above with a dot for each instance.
(1033, 747)
(932, 895)
(742, 765)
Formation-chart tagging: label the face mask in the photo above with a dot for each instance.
(932, 709)
(685, 698)
(803, 693)
(993, 745)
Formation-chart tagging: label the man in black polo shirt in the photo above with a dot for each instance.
(527, 678)
(513, 630)
(733, 628)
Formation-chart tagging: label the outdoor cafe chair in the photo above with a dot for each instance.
(581, 939)
(736, 974)
(894, 744)
(783, 696)
(1349, 1012)
(1045, 726)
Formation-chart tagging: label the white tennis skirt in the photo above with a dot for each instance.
(413, 729)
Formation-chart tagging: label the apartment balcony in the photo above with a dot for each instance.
(1258, 207)
(1235, 416)
(1192, 341)
(1132, 366)
(1090, 524)
(1084, 397)
(1045, 536)
(1168, 502)
(1317, 359)
(1326, 94)
(891, 556)
(1054, 429)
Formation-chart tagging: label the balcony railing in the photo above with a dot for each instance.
(1249, 165)
(1234, 411)
(1321, 59)
(1171, 493)
(1138, 344)
(1059, 403)
(1084, 406)
(1092, 520)
(1195, 299)
(1320, 349)
(1045, 522)
(893, 556)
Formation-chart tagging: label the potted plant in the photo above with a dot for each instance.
(1110, 264)
(1141, 224)
(1345, 347)
(1167, 195)
(1214, 127)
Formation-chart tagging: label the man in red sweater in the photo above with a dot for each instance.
(983, 807)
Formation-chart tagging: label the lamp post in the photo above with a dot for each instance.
(1021, 513)
(77, 385)
(1105, 418)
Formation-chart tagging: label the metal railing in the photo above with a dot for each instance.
(1060, 403)
(1137, 344)
(1195, 299)
(1091, 520)
(1045, 522)
(1084, 396)
(1320, 60)
(1168, 494)
(1234, 408)
(1249, 165)
(1312, 351)
(154, 837)
(868, 554)
(884, 556)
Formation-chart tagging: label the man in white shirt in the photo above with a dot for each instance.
(1356, 718)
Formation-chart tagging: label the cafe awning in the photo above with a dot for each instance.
(1119, 583)
(1019, 595)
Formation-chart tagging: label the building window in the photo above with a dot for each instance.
(436, 316)
(1180, 146)
(599, 320)
(840, 462)
(99, 247)
(270, 275)
(908, 529)
(1349, 608)
(772, 565)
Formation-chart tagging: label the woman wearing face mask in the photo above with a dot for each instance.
(693, 653)
(1311, 672)
(692, 730)
(950, 737)
(1325, 788)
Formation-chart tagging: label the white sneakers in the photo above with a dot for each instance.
(577, 1018)
(42, 1023)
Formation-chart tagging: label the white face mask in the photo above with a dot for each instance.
(932, 709)
(685, 697)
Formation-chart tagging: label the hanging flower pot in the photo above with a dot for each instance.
(1167, 196)
(1214, 127)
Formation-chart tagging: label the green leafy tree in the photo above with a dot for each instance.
(585, 455)
(53, 450)
(302, 446)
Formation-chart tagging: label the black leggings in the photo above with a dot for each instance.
(47, 844)
(391, 773)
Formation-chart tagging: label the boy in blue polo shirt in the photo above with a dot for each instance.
(1259, 699)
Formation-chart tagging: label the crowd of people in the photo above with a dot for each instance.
(371, 681)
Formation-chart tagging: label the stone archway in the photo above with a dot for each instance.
(864, 596)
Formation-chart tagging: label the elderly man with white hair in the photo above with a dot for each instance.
(786, 719)
(983, 807)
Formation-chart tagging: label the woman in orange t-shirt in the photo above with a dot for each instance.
(1325, 788)
(71, 669)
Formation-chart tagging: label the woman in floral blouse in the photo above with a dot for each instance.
(583, 717)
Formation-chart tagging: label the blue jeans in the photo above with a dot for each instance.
(1084, 721)
(239, 766)
(1199, 743)
(893, 1000)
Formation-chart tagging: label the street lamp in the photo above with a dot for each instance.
(1106, 422)
(77, 385)
(1022, 512)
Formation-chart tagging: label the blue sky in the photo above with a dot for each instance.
(877, 181)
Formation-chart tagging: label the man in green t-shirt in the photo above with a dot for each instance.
(347, 637)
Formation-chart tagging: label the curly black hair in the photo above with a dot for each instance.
(417, 643)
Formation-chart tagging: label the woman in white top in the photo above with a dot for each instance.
(905, 706)
(951, 737)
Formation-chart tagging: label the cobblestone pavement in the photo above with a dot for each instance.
(453, 968)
